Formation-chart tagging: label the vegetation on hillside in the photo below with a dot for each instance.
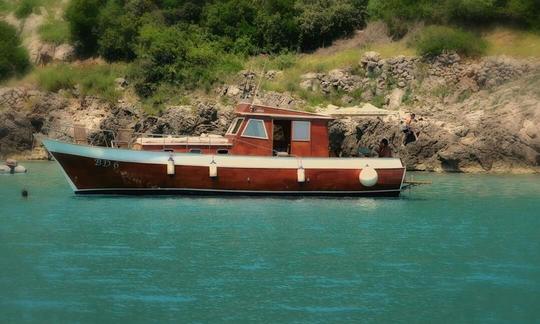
(435, 40)
(91, 79)
(169, 47)
(13, 56)
(191, 43)
(55, 31)
(401, 14)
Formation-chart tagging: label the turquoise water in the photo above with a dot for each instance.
(465, 249)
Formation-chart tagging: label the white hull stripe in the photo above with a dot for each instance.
(222, 161)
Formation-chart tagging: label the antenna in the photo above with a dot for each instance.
(259, 83)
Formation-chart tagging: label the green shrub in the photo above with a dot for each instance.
(54, 78)
(285, 61)
(96, 80)
(82, 16)
(5, 6)
(14, 58)
(54, 31)
(322, 21)
(117, 33)
(25, 8)
(400, 14)
(435, 40)
(178, 55)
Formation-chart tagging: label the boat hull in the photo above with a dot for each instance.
(98, 170)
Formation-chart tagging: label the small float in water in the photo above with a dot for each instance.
(11, 167)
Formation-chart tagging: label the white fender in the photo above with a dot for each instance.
(301, 174)
(4, 169)
(368, 176)
(212, 170)
(19, 169)
(170, 166)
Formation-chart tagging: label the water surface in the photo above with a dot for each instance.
(465, 249)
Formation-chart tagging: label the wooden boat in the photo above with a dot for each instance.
(266, 151)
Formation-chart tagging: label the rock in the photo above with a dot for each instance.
(461, 131)
(346, 99)
(64, 53)
(233, 91)
(395, 98)
(307, 85)
(272, 74)
(530, 129)
(121, 83)
(45, 54)
(371, 57)
(309, 76)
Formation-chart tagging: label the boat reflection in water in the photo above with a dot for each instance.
(266, 151)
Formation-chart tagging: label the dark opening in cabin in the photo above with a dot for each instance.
(282, 136)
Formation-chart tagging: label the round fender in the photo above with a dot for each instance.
(4, 169)
(368, 177)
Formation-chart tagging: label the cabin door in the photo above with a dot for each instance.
(282, 136)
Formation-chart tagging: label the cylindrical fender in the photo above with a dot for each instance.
(212, 170)
(301, 174)
(170, 166)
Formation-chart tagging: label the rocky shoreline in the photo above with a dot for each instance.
(474, 115)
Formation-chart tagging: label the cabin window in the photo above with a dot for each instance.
(235, 126)
(195, 151)
(222, 151)
(301, 130)
(255, 128)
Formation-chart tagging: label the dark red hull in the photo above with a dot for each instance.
(88, 176)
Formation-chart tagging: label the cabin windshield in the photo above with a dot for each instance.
(235, 126)
(255, 128)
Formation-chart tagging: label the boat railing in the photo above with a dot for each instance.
(121, 137)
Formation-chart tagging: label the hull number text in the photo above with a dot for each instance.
(106, 164)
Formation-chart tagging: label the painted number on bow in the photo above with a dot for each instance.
(106, 163)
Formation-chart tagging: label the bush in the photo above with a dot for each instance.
(183, 56)
(82, 16)
(5, 6)
(117, 33)
(25, 8)
(54, 31)
(400, 14)
(322, 21)
(435, 40)
(97, 80)
(14, 58)
(54, 78)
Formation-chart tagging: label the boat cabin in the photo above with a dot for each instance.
(256, 130)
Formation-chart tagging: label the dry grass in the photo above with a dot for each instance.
(513, 42)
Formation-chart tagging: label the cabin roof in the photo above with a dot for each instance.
(247, 109)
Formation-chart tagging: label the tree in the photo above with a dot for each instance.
(181, 55)
(83, 16)
(13, 56)
(118, 31)
(322, 21)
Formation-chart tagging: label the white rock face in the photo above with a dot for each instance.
(395, 98)
(64, 53)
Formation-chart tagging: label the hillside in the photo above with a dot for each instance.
(479, 112)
